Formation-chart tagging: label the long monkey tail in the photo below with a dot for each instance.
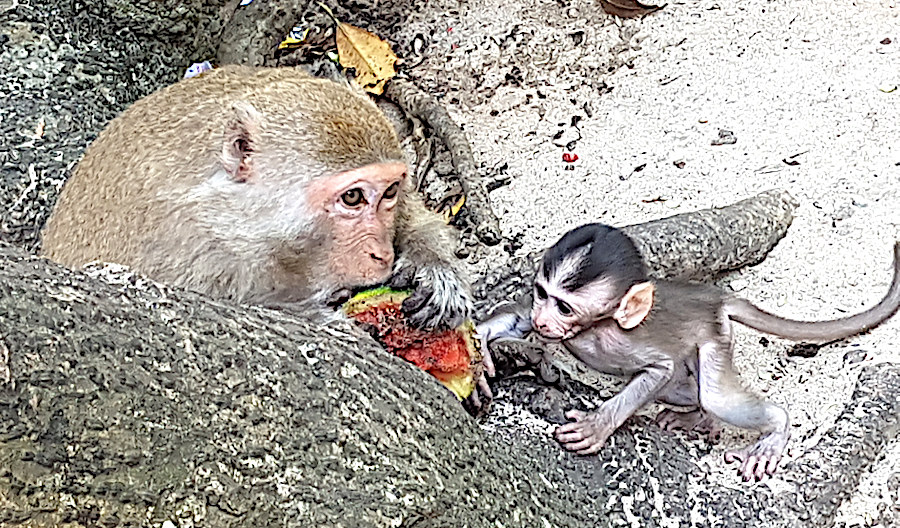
(747, 314)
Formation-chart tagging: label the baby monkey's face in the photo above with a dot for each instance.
(558, 313)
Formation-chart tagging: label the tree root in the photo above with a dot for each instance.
(427, 109)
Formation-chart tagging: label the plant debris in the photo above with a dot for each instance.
(371, 57)
(628, 8)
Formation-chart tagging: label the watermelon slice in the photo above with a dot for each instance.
(451, 356)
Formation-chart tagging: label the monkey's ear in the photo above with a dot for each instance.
(240, 133)
(635, 305)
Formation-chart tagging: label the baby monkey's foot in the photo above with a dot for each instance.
(761, 458)
(696, 421)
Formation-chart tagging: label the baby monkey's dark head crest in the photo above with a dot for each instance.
(610, 254)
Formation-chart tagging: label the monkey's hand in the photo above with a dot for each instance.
(504, 325)
(477, 402)
(440, 300)
(500, 326)
(587, 434)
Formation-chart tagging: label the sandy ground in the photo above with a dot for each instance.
(808, 88)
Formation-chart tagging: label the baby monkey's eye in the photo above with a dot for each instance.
(540, 292)
(563, 307)
(392, 191)
(353, 197)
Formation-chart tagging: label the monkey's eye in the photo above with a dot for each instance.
(540, 292)
(392, 191)
(353, 197)
(563, 307)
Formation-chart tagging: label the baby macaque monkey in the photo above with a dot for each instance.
(259, 185)
(592, 293)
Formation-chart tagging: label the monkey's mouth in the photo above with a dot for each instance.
(547, 338)
(557, 338)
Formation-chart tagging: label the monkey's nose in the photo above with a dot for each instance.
(383, 258)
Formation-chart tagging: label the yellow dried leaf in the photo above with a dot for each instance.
(295, 38)
(369, 55)
(454, 209)
(451, 209)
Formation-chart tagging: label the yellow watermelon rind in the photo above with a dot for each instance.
(365, 299)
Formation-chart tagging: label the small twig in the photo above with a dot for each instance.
(330, 12)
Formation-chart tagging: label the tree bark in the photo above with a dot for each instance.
(126, 403)
(129, 403)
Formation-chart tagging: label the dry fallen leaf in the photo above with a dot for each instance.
(369, 55)
(451, 208)
(628, 8)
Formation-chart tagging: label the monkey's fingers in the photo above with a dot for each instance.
(481, 397)
(483, 335)
(575, 414)
(435, 315)
(568, 437)
(762, 465)
(485, 389)
(416, 300)
(478, 402)
(753, 466)
(587, 440)
(773, 465)
(440, 301)
(487, 361)
(403, 279)
(573, 431)
(428, 311)
(749, 468)
(742, 456)
(473, 400)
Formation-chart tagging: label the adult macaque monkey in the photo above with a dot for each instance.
(593, 294)
(264, 186)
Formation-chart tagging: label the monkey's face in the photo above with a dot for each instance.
(559, 314)
(358, 209)
(551, 315)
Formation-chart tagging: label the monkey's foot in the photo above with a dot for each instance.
(697, 421)
(761, 458)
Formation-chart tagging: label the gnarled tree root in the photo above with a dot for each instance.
(416, 103)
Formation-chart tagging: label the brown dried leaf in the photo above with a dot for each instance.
(369, 55)
(628, 8)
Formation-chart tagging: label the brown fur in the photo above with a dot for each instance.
(167, 189)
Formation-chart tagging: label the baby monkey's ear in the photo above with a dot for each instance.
(635, 305)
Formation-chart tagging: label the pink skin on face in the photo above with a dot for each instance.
(360, 206)
(550, 324)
